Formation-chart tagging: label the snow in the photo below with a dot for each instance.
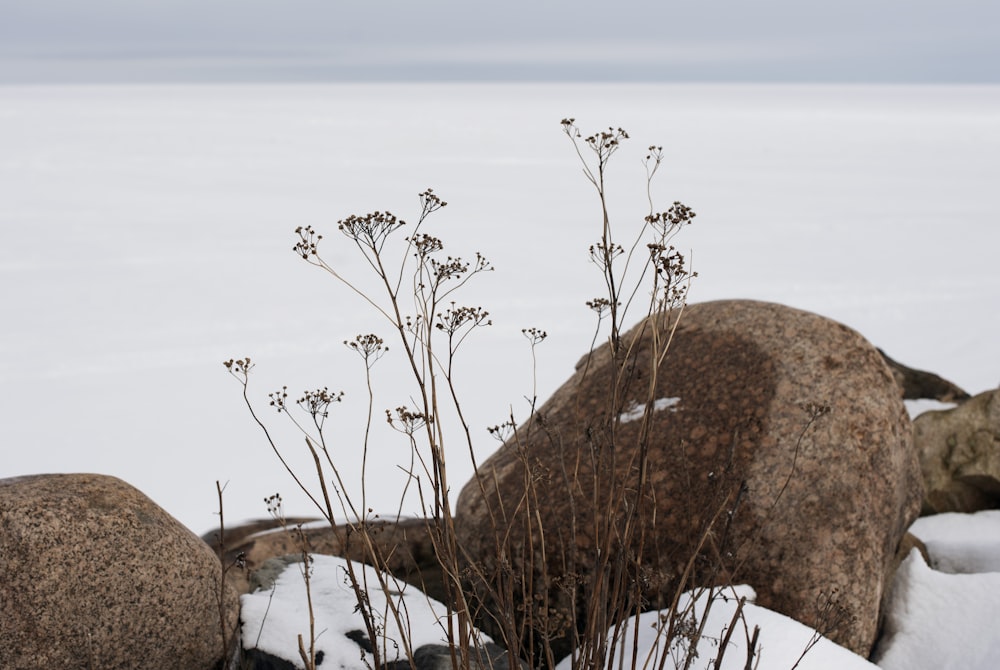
(273, 618)
(935, 621)
(961, 543)
(783, 642)
(942, 621)
(938, 618)
(636, 410)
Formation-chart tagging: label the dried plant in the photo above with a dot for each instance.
(521, 595)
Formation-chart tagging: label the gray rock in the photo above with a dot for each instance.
(263, 577)
(438, 657)
(959, 452)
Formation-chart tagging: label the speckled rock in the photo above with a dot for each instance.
(405, 548)
(784, 427)
(96, 575)
(959, 453)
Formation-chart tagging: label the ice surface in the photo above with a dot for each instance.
(146, 233)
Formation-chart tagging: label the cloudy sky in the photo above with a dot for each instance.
(404, 40)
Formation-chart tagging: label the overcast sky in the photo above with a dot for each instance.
(404, 40)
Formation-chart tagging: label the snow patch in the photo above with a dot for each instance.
(635, 410)
(783, 643)
(274, 618)
(937, 620)
(961, 543)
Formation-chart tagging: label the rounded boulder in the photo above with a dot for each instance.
(96, 575)
(768, 446)
(959, 451)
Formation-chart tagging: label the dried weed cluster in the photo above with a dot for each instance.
(418, 299)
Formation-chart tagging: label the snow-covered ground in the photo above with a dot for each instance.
(146, 234)
(938, 619)
(274, 616)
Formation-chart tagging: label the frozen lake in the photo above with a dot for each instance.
(146, 234)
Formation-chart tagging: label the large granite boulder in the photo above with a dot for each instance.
(96, 575)
(959, 452)
(779, 455)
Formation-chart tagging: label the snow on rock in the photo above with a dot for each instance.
(274, 618)
(961, 543)
(781, 645)
(940, 621)
(635, 411)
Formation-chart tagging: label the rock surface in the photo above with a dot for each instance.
(405, 546)
(959, 452)
(96, 575)
(779, 443)
(919, 384)
(438, 657)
